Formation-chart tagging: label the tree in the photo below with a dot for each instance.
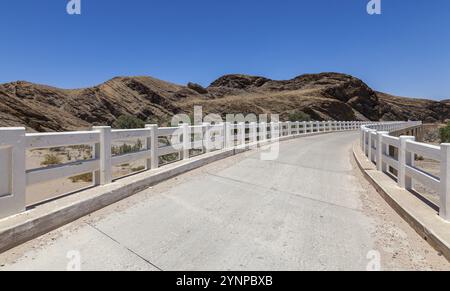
(128, 122)
(299, 116)
(444, 133)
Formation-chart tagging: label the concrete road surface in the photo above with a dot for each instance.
(308, 210)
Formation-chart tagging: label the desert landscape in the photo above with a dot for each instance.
(325, 96)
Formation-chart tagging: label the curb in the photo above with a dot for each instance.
(422, 218)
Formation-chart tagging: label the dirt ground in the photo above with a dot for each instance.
(400, 246)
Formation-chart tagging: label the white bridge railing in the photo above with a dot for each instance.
(396, 157)
(14, 144)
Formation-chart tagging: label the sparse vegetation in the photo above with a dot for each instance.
(444, 133)
(51, 160)
(82, 178)
(138, 169)
(128, 122)
(127, 148)
(299, 116)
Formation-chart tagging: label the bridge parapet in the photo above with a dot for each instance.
(184, 141)
(396, 157)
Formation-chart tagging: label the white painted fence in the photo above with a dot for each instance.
(14, 143)
(376, 141)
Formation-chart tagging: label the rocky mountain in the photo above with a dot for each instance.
(325, 96)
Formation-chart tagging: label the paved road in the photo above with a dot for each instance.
(304, 211)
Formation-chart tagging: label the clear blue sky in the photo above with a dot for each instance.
(405, 51)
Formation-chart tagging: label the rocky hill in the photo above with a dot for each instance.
(325, 96)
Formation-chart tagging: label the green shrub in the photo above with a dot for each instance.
(299, 116)
(444, 133)
(128, 122)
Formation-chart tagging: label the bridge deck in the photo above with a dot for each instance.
(309, 209)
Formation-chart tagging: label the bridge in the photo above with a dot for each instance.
(246, 196)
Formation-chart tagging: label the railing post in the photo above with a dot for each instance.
(362, 141)
(227, 135)
(297, 124)
(262, 132)
(224, 135)
(272, 131)
(369, 146)
(253, 135)
(103, 152)
(186, 140)
(241, 132)
(444, 209)
(148, 142)
(289, 128)
(12, 168)
(403, 158)
(206, 137)
(380, 151)
(366, 141)
(154, 145)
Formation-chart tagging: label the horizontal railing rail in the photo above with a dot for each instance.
(155, 143)
(396, 156)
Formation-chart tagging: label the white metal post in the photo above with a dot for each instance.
(444, 209)
(12, 171)
(289, 127)
(403, 181)
(103, 152)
